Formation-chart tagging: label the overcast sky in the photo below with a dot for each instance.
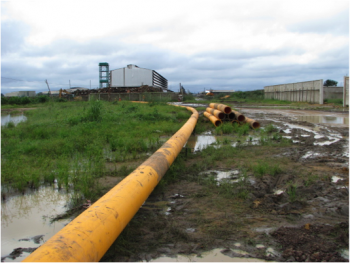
(235, 44)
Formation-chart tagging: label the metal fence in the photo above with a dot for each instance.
(308, 91)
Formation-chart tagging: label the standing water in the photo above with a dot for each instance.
(214, 255)
(25, 219)
(324, 119)
(15, 118)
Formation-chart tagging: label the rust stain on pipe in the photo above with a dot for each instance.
(252, 123)
(88, 237)
(221, 107)
(218, 114)
(217, 122)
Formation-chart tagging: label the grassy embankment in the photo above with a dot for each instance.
(70, 142)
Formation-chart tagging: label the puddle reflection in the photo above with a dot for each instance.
(324, 119)
(15, 118)
(199, 142)
(25, 216)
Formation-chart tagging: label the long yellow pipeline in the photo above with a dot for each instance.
(217, 122)
(88, 237)
(218, 114)
(221, 107)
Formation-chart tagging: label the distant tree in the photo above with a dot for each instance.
(330, 83)
(2, 95)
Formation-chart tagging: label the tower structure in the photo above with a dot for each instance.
(104, 74)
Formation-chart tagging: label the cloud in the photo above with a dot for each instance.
(337, 24)
(13, 34)
(241, 45)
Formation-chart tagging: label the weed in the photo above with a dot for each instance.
(225, 141)
(310, 179)
(241, 129)
(262, 168)
(269, 128)
(94, 112)
(225, 128)
(291, 191)
(10, 125)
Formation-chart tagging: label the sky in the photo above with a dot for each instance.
(228, 45)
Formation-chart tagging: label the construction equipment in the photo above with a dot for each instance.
(61, 91)
(209, 93)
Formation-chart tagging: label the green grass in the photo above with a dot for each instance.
(262, 168)
(71, 141)
(334, 101)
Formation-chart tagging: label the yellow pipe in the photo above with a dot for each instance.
(217, 122)
(253, 123)
(221, 107)
(218, 114)
(238, 116)
(88, 237)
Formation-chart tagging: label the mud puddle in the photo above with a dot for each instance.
(231, 176)
(25, 220)
(15, 118)
(199, 142)
(215, 255)
(324, 119)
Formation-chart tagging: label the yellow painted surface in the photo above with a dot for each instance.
(221, 107)
(88, 237)
(216, 113)
(253, 123)
(239, 116)
(217, 122)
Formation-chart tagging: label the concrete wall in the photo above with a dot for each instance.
(332, 93)
(308, 91)
(346, 91)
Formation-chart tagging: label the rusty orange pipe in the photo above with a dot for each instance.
(239, 117)
(217, 122)
(221, 107)
(88, 237)
(218, 114)
(252, 123)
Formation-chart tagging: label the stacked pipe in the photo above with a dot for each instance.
(218, 113)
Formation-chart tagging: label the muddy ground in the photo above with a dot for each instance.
(306, 220)
(301, 213)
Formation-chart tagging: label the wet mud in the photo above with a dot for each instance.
(285, 217)
(300, 214)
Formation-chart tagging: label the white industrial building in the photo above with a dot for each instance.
(134, 76)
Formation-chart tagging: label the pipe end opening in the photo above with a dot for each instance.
(217, 123)
(241, 118)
